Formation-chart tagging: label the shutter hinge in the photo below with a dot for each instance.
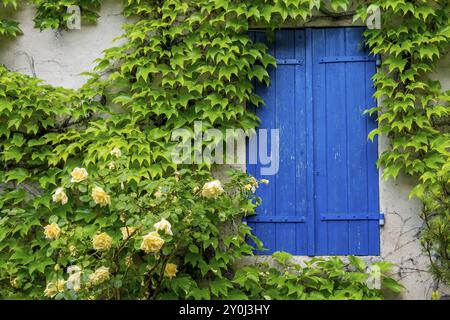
(341, 59)
(289, 61)
(353, 217)
(382, 220)
(277, 219)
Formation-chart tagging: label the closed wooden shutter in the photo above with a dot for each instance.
(324, 198)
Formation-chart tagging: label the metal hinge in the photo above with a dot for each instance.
(382, 220)
(378, 62)
(289, 61)
(323, 217)
(353, 217)
(340, 59)
(278, 219)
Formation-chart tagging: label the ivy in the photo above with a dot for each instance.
(182, 61)
(316, 280)
(415, 111)
(39, 127)
(9, 28)
(53, 14)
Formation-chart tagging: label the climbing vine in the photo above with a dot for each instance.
(415, 112)
(8, 27)
(184, 61)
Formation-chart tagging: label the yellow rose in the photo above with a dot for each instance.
(72, 250)
(74, 281)
(14, 283)
(79, 174)
(60, 196)
(102, 241)
(170, 270)
(212, 190)
(249, 187)
(163, 225)
(116, 152)
(111, 165)
(129, 261)
(53, 289)
(52, 231)
(158, 194)
(152, 242)
(127, 232)
(100, 197)
(99, 276)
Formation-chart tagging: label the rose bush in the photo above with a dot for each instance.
(101, 237)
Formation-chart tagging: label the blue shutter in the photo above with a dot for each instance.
(281, 219)
(324, 199)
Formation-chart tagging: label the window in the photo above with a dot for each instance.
(324, 198)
